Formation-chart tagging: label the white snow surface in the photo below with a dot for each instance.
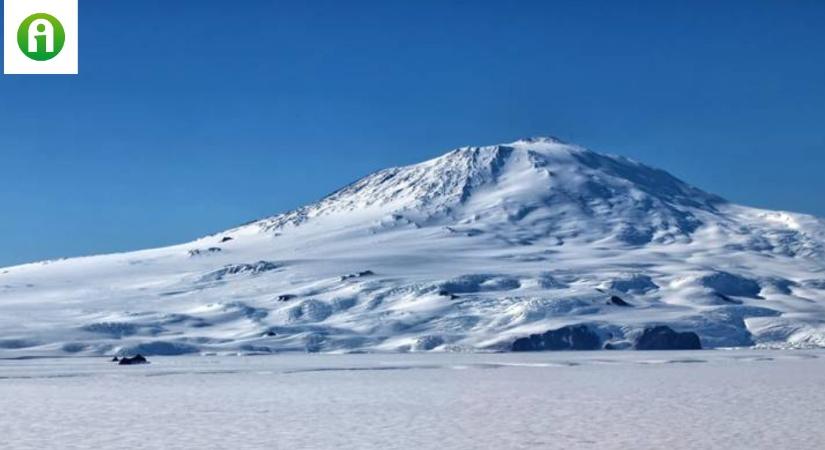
(465, 252)
(739, 399)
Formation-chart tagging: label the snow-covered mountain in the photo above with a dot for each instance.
(475, 250)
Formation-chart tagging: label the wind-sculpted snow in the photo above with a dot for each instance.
(470, 251)
(240, 269)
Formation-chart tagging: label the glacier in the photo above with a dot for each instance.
(469, 251)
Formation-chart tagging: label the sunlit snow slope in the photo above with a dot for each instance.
(468, 251)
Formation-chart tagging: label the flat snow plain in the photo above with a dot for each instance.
(707, 399)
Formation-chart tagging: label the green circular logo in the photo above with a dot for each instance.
(41, 37)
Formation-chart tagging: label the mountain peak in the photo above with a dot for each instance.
(534, 187)
(538, 140)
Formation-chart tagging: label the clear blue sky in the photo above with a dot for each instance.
(189, 117)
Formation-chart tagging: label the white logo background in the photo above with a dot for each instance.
(14, 12)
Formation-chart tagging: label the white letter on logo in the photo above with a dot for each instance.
(41, 27)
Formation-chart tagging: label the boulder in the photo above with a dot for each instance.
(571, 337)
(662, 337)
(617, 301)
(137, 359)
(115, 359)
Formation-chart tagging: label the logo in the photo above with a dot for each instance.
(41, 37)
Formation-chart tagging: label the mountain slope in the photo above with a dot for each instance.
(468, 251)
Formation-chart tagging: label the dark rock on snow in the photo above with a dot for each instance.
(364, 273)
(256, 268)
(197, 251)
(665, 338)
(285, 297)
(581, 337)
(571, 337)
(226, 239)
(617, 301)
(137, 359)
(445, 293)
(618, 345)
(727, 299)
(115, 359)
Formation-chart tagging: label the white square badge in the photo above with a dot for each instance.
(40, 37)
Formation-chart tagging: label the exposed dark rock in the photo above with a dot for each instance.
(571, 337)
(241, 269)
(364, 273)
(115, 359)
(618, 345)
(285, 297)
(617, 301)
(662, 337)
(425, 343)
(197, 251)
(479, 282)
(226, 239)
(270, 333)
(445, 293)
(137, 359)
